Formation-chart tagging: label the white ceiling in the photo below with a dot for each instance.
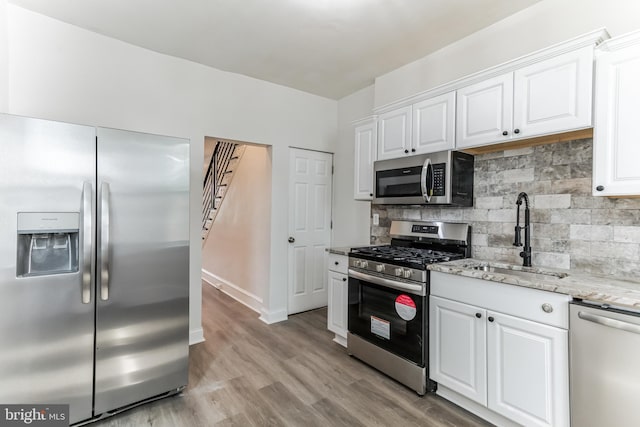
(330, 48)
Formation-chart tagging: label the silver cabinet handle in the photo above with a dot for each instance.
(611, 323)
(87, 249)
(104, 241)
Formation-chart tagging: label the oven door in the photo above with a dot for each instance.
(390, 314)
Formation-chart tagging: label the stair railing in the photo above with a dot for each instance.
(213, 179)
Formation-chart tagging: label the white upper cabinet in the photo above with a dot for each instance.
(554, 95)
(365, 155)
(484, 112)
(546, 97)
(616, 140)
(434, 124)
(394, 133)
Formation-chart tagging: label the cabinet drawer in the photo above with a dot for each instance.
(339, 263)
(515, 300)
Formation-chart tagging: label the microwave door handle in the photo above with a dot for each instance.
(427, 189)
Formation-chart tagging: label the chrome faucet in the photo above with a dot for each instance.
(526, 252)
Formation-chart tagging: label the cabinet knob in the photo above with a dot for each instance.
(491, 319)
(336, 263)
(406, 151)
(344, 279)
(505, 133)
(516, 131)
(547, 308)
(413, 150)
(478, 315)
(370, 194)
(600, 187)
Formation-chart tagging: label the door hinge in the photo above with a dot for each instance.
(331, 225)
(331, 169)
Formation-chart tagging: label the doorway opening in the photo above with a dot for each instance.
(237, 228)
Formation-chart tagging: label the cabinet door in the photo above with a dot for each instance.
(554, 95)
(394, 133)
(457, 347)
(434, 124)
(617, 131)
(485, 112)
(528, 371)
(337, 307)
(365, 155)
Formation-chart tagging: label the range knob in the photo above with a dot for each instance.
(380, 268)
(407, 274)
(398, 272)
(364, 264)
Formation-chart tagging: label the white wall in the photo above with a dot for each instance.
(235, 254)
(4, 59)
(539, 26)
(61, 72)
(350, 217)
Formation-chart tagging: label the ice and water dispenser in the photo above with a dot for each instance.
(47, 243)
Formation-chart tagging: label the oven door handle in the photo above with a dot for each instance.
(399, 286)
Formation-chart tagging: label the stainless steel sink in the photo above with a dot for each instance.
(531, 273)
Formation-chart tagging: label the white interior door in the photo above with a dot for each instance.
(309, 228)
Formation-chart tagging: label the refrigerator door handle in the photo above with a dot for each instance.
(87, 249)
(104, 241)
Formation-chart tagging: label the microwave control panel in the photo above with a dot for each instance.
(439, 178)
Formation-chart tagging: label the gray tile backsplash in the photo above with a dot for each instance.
(570, 227)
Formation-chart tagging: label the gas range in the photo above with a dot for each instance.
(388, 308)
(414, 245)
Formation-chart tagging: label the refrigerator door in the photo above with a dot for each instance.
(142, 318)
(47, 177)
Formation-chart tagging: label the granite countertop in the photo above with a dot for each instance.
(341, 250)
(344, 250)
(611, 290)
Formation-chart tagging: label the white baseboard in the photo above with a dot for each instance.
(196, 336)
(250, 300)
(270, 317)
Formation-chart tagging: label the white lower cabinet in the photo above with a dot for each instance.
(484, 357)
(338, 288)
(458, 352)
(527, 371)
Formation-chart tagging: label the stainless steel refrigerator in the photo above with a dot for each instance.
(94, 254)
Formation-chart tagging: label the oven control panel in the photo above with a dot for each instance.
(426, 229)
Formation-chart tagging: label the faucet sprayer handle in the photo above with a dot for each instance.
(518, 238)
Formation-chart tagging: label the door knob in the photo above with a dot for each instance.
(291, 240)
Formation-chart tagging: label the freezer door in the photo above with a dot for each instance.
(47, 174)
(142, 319)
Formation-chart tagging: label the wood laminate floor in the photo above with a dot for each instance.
(248, 373)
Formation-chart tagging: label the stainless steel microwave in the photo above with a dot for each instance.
(442, 178)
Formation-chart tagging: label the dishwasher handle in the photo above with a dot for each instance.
(611, 323)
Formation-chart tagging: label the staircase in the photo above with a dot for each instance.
(224, 161)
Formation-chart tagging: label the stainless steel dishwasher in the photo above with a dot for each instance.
(604, 346)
